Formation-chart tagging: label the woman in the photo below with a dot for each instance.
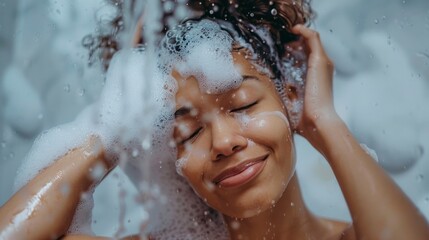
(235, 149)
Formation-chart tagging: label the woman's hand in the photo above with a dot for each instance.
(318, 110)
(379, 209)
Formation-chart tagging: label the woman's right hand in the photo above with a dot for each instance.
(45, 206)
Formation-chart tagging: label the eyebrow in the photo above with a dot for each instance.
(186, 110)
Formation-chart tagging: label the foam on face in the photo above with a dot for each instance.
(259, 119)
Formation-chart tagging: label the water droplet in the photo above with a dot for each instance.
(331, 31)
(85, 196)
(146, 144)
(97, 172)
(274, 12)
(168, 6)
(235, 225)
(376, 21)
(81, 92)
(419, 177)
(135, 153)
(65, 189)
(11, 155)
(252, 14)
(40, 116)
(67, 88)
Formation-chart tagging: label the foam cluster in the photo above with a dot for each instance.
(203, 50)
(134, 120)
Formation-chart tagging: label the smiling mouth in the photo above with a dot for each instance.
(242, 173)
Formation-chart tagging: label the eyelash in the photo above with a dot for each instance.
(244, 107)
(193, 135)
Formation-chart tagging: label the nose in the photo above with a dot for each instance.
(226, 137)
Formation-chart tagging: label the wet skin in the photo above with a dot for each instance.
(381, 211)
(239, 169)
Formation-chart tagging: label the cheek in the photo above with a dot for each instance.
(191, 165)
(270, 128)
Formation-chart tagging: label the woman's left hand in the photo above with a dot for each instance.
(318, 107)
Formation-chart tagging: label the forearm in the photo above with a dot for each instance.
(379, 209)
(44, 208)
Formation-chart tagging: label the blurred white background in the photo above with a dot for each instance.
(380, 49)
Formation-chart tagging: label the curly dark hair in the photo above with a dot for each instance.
(279, 16)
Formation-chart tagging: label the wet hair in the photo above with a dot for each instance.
(278, 16)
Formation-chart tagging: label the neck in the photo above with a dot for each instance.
(287, 219)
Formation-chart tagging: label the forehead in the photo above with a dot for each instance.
(189, 86)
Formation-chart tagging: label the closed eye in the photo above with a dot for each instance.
(192, 136)
(244, 107)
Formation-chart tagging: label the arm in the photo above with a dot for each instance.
(379, 209)
(44, 208)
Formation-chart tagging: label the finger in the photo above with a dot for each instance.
(312, 37)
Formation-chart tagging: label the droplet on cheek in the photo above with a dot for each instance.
(261, 123)
(235, 225)
(210, 186)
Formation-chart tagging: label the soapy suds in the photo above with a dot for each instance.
(259, 119)
(181, 164)
(201, 49)
(120, 118)
(370, 151)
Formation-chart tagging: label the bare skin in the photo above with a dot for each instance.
(379, 209)
(44, 208)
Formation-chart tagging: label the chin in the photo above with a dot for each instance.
(253, 201)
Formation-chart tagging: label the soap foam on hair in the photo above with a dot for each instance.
(203, 50)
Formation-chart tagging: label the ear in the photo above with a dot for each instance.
(293, 101)
(295, 71)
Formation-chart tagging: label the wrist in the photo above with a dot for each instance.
(325, 131)
(331, 134)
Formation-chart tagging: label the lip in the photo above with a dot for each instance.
(242, 173)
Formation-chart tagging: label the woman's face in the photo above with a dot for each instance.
(235, 148)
